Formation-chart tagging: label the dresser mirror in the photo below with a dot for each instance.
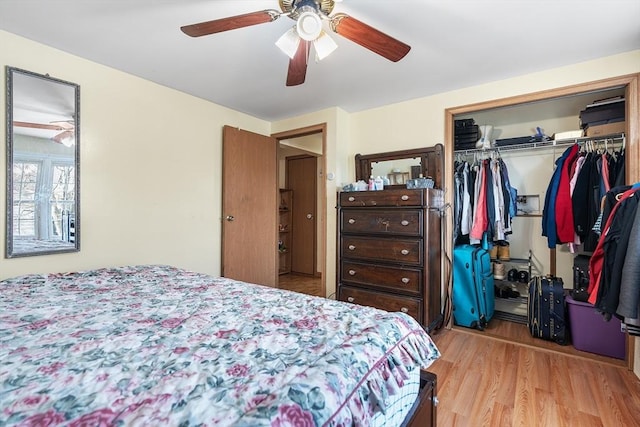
(400, 166)
(42, 164)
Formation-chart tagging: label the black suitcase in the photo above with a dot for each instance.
(546, 309)
(467, 130)
(471, 137)
(462, 124)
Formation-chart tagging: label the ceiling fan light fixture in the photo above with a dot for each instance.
(288, 42)
(324, 45)
(68, 141)
(309, 25)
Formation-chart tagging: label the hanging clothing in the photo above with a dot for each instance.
(480, 217)
(457, 202)
(489, 194)
(510, 196)
(467, 218)
(498, 202)
(608, 241)
(604, 174)
(628, 306)
(580, 199)
(564, 209)
(549, 229)
(484, 201)
(573, 246)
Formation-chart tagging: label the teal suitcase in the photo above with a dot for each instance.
(473, 287)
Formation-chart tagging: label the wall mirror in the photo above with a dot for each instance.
(399, 166)
(43, 119)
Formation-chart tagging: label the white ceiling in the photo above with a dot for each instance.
(455, 44)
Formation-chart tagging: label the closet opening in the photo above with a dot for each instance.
(521, 139)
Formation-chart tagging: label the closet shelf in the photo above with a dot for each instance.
(614, 138)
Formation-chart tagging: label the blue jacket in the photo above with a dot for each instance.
(549, 229)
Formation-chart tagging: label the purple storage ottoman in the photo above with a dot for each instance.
(590, 332)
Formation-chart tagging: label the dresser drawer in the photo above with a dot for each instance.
(406, 251)
(383, 221)
(395, 197)
(382, 300)
(396, 279)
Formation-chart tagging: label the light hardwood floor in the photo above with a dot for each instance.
(300, 283)
(485, 380)
(503, 377)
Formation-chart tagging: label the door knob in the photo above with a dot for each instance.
(229, 218)
(309, 216)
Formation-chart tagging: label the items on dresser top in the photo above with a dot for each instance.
(389, 249)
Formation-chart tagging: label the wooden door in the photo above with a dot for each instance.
(301, 179)
(249, 207)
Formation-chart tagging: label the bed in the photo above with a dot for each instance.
(158, 345)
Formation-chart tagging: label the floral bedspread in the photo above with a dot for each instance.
(160, 346)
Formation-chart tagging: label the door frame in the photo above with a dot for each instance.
(320, 128)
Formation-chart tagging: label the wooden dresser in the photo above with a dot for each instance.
(389, 251)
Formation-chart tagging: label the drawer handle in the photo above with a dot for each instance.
(352, 248)
(352, 221)
(405, 280)
(405, 252)
(404, 197)
(352, 272)
(404, 310)
(352, 199)
(351, 299)
(373, 203)
(404, 222)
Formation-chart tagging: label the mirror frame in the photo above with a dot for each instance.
(9, 246)
(431, 160)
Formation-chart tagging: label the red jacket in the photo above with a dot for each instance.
(564, 207)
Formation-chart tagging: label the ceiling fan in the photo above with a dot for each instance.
(309, 16)
(65, 129)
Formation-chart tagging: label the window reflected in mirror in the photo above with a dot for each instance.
(398, 171)
(43, 160)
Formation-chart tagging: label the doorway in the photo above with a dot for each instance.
(301, 172)
(301, 165)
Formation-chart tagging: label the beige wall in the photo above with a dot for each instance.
(420, 122)
(151, 156)
(150, 173)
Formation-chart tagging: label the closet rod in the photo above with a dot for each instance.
(614, 138)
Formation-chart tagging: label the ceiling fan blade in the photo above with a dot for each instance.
(64, 124)
(230, 23)
(368, 37)
(38, 126)
(298, 65)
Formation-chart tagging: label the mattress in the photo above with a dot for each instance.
(159, 345)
